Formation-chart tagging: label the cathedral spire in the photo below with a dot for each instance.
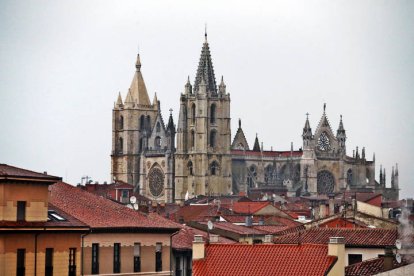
(307, 131)
(188, 89)
(155, 100)
(222, 86)
(205, 70)
(119, 100)
(137, 92)
(340, 133)
(256, 146)
(239, 141)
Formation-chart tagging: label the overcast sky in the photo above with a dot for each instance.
(62, 64)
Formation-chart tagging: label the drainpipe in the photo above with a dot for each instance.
(82, 253)
(35, 254)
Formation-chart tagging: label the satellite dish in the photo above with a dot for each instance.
(210, 225)
(398, 258)
(130, 206)
(133, 199)
(398, 244)
(136, 207)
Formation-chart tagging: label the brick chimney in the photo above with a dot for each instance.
(388, 259)
(336, 247)
(198, 247)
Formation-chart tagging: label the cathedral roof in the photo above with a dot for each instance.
(137, 92)
(205, 70)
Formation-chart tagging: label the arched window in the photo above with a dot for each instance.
(157, 143)
(190, 167)
(193, 113)
(158, 127)
(251, 176)
(192, 139)
(268, 174)
(142, 122)
(121, 145)
(141, 144)
(213, 138)
(214, 168)
(349, 177)
(213, 113)
(148, 122)
(121, 122)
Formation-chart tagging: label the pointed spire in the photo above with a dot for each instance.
(340, 133)
(396, 169)
(138, 63)
(239, 141)
(381, 176)
(170, 126)
(222, 86)
(373, 157)
(363, 153)
(119, 100)
(137, 92)
(239, 123)
(205, 70)
(307, 131)
(385, 178)
(392, 177)
(256, 146)
(155, 100)
(188, 88)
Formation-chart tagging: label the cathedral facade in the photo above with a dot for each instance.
(168, 163)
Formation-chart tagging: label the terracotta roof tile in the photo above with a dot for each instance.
(371, 267)
(7, 171)
(185, 237)
(249, 207)
(359, 237)
(98, 212)
(242, 259)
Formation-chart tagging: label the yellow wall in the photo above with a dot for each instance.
(35, 195)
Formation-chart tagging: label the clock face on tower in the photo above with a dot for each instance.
(323, 142)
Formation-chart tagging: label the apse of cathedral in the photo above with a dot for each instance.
(204, 161)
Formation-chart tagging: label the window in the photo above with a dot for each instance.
(354, 258)
(21, 210)
(148, 122)
(137, 257)
(178, 270)
(117, 257)
(268, 174)
(192, 139)
(21, 258)
(158, 128)
(121, 122)
(157, 143)
(158, 257)
(49, 262)
(193, 113)
(142, 122)
(214, 168)
(190, 167)
(251, 176)
(213, 138)
(213, 113)
(121, 145)
(95, 258)
(72, 261)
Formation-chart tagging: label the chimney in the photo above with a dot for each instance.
(336, 247)
(388, 259)
(331, 204)
(198, 247)
(268, 239)
(322, 210)
(214, 238)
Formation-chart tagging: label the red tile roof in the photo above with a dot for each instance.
(359, 237)
(371, 267)
(199, 212)
(263, 259)
(271, 229)
(8, 172)
(100, 213)
(267, 153)
(185, 237)
(249, 207)
(238, 229)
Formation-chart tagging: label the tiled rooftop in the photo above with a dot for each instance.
(98, 212)
(359, 237)
(242, 259)
(7, 171)
(184, 239)
(370, 267)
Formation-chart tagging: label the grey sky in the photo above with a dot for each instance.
(62, 64)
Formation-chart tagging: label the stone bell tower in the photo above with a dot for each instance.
(203, 160)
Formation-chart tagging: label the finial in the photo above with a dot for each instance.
(307, 115)
(138, 63)
(239, 123)
(205, 31)
(188, 79)
(340, 116)
(324, 107)
(171, 110)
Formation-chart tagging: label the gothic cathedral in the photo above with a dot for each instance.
(204, 161)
